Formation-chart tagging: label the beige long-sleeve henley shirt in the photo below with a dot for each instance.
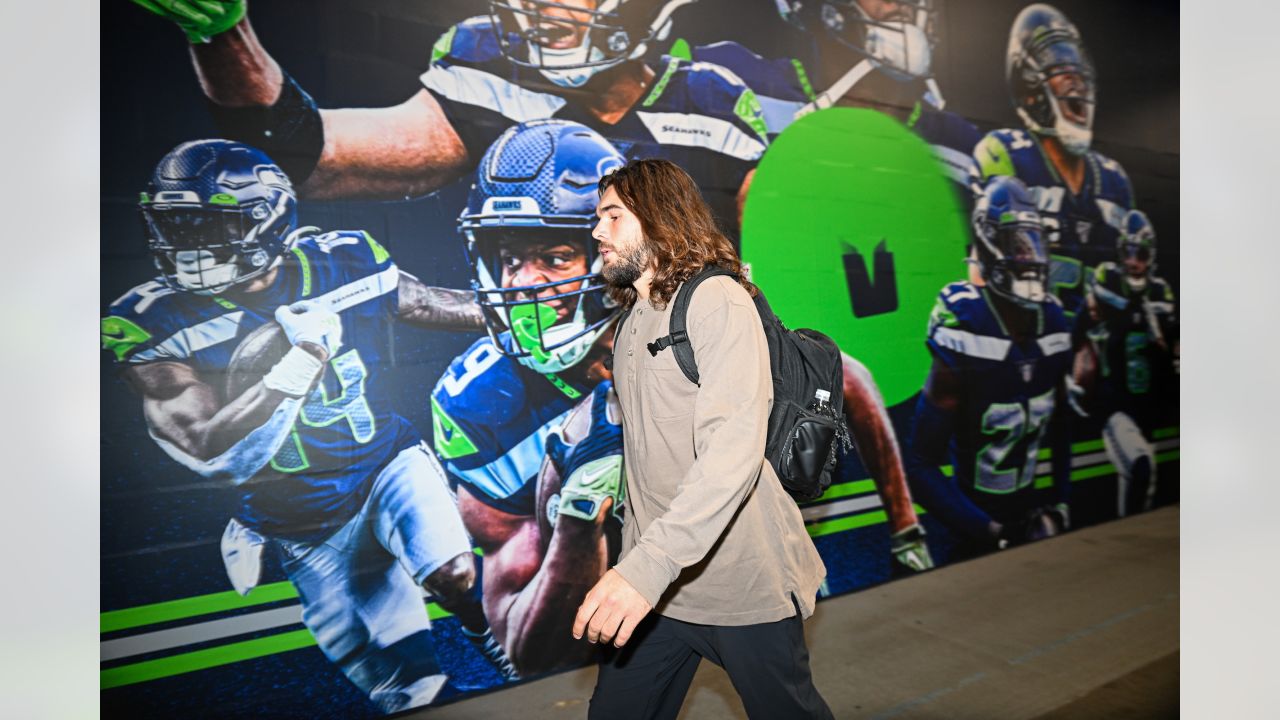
(710, 535)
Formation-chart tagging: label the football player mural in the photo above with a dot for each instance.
(1081, 193)
(355, 470)
(1133, 318)
(256, 353)
(530, 404)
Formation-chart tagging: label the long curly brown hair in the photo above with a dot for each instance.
(679, 230)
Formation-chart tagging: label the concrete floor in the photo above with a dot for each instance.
(1082, 626)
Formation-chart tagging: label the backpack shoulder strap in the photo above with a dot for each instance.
(678, 339)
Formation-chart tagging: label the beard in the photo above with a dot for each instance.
(626, 269)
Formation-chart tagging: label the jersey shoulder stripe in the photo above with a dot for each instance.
(1005, 152)
(343, 269)
(190, 340)
(153, 322)
(471, 41)
(962, 323)
(468, 67)
(479, 88)
(505, 475)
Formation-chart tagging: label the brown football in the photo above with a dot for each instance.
(254, 357)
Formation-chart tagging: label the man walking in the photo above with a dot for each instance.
(712, 543)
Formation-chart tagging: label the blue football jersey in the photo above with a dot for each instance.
(696, 114)
(603, 439)
(491, 417)
(1081, 227)
(952, 139)
(1131, 327)
(343, 434)
(1007, 392)
(783, 87)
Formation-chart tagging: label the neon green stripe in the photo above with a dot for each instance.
(803, 78)
(193, 606)
(1087, 446)
(847, 523)
(297, 639)
(855, 487)
(661, 85)
(209, 605)
(1163, 433)
(148, 670)
(205, 659)
(169, 610)
(305, 264)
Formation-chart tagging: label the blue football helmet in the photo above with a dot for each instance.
(218, 213)
(901, 44)
(569, 45)
(536, 187)
(1137, 241)
(1008, 243)
(1044, 44)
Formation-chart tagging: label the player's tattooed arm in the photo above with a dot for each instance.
(436, 307)
(392, 152)
(184, 411)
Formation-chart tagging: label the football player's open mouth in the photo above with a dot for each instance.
(1075, 109)
(554, 35)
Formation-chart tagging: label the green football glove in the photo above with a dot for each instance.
(910, 550)
(199, 19)
(584, 493)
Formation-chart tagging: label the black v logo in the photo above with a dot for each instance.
(865, 297)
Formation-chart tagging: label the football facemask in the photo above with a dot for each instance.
(1051, 78)
(205, 248)
(569, 44)
(1016, 268)
(552, 324)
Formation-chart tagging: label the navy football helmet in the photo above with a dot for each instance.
(900, 44)
(1043, 45)
(536, 186)
(217, 213)
(1137, 241)
(570, 44)
(1009, 246)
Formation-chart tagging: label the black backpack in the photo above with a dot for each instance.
(802, 435)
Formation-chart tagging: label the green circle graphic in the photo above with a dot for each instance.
(836, 189)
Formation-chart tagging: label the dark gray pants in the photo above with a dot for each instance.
(767, 663)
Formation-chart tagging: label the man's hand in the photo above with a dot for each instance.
(308, 322)
(199, 19)
(610, 611)
(909, 549)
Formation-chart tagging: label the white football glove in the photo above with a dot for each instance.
(309, 321)
(909, 548)
(242, 556)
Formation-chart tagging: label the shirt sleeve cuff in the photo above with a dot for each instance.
(646, 574)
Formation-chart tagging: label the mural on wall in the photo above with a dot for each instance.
(360, 448)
